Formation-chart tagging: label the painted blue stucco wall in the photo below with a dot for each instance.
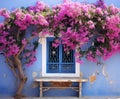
(101, 87)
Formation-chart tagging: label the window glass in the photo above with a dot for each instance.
(58, 60)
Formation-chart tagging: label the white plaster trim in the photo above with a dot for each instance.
(44, 74)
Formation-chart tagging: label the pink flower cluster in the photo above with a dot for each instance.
(4, 13)
(24, 20)
(40, 6)
(77, 23)
(12, 50)
(8, 45)
(13, 35)
(73, 10)
(113, 33)
(3, 40)
(90, 56)
(29, 55)
(74, 24)
(71, 39)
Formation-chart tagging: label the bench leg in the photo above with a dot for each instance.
(41, 89)
(80, 89)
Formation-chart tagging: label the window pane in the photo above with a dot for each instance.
(67, 56)
(58, 60)
(68, 68)
(53, 53)
(53, 68)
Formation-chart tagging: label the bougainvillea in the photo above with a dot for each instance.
(73, 24)
(13, 30)
(80, 24)
(19, 35)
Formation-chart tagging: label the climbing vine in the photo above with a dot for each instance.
(93, 30)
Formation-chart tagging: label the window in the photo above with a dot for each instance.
(56, 62)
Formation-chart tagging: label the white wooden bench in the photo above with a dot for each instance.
(60, 79)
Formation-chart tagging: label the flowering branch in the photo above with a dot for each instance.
(93, 30)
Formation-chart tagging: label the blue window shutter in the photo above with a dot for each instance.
(68, 61)
(52, 57)
(59, 61)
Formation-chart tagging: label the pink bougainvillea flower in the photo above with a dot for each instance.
(5, 13)
(101, 39)
(24, 42)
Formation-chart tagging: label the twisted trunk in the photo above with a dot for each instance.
(22, 77)
(16, 66)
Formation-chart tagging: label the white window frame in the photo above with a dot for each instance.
(43, 42)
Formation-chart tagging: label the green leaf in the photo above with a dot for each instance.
(35, 45)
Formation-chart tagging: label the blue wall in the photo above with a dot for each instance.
(101, 87)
